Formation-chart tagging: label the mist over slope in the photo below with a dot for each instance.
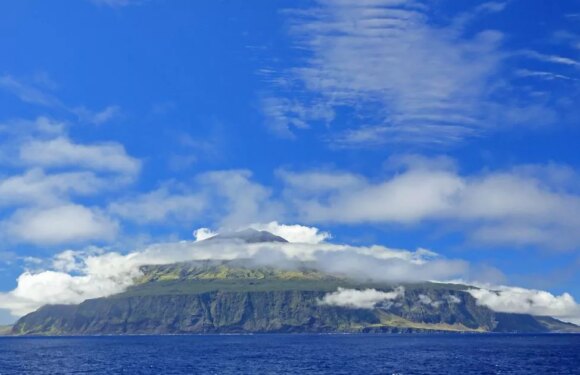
(74, 277)
(239, 296)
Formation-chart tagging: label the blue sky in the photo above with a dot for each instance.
(437, 124)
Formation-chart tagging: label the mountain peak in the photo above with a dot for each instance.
(248, 236)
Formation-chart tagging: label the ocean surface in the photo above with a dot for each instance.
(293, 354)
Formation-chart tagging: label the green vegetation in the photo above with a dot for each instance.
(228, 297)
(238, 270)
(184, 287)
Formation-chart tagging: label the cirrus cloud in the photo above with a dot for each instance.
(408, 77)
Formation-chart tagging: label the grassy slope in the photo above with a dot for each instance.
(201, 277)
(204, 277)
(226, 290)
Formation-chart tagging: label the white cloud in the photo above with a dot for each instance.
(98, 117)
(492, 6)
(36, 94)
(544, 75)
(309, 182)
(529, 205)
(76, 276)
(406, 77)
(284, 115)
(524, 205)
(37, 187)
(360, 299)
(67, 261)
(448, 299)
(426, 300)
(228, 198)
(201, 234)
(453, 299)
(62, 152)
(528, 301)
(116, 3)
(68, 223)
(294, 233)
(555, 59)
(407, 197)
(39, 127)
(236, 199)
(159, 206)
(44, 201)
(100, 278)
(28, 93)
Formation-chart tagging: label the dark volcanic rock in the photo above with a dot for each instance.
(248, 236)
(224, 312)
(233, 297)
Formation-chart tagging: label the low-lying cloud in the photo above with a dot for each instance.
(73, 276)
(294, 233)
(528, 301)
(360, 299)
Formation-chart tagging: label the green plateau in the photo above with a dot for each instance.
(239, 297)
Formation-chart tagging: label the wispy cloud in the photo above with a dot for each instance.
(161, 206)
(97, 117)
(285, 116)
(117, 3)
(29, 93)
(555, 59)
(544, 75)
(378, 135)
(38, 95)
(492, 6)
(405, 77)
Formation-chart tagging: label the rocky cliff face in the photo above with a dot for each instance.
(214, 297)
(281, 311)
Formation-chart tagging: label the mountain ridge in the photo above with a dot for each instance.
(248, 235)
(245, 296)
(240, 297)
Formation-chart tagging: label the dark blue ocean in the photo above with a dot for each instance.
(293, 354)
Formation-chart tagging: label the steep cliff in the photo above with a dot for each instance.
(221, 297)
